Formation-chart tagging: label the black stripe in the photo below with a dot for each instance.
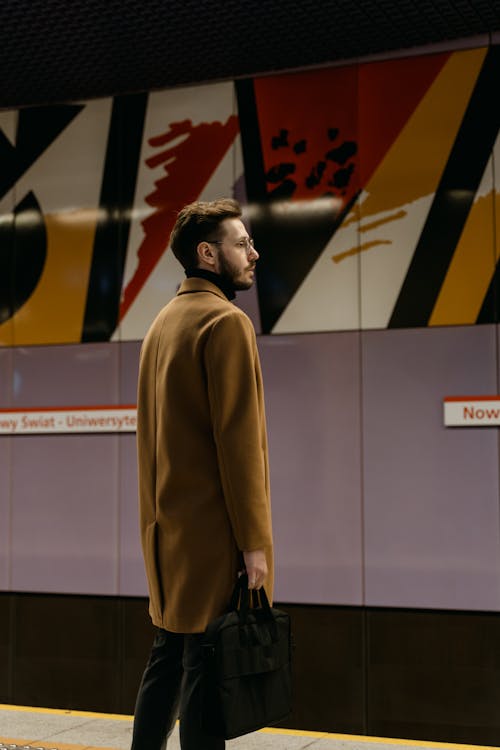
(453, 200)
(23, 252)
(253, 158)
(113, 227)
(37, 128)
(489, 309)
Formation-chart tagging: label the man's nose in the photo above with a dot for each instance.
(253, 254)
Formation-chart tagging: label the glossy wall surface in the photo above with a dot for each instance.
(370, 189)
(374, 500)
(372, 193)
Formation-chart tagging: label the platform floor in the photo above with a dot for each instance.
(23, 728)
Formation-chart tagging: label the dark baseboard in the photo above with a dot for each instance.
(430, 675)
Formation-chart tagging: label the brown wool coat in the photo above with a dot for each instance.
(202, 449)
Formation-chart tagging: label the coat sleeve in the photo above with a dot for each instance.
(237, 412)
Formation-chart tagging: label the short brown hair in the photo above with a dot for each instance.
(197, 222)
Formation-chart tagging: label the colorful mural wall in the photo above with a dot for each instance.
(370, 190)
(372, 193)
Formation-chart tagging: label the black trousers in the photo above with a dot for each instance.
(171, 684)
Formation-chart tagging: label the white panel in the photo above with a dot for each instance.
(68, 174)
(328, 298)
(201, 104)
(385, 264)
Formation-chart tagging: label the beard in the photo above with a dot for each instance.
(231, 274)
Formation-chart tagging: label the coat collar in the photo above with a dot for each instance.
(195, 284)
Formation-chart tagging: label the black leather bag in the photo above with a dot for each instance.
(246, 666)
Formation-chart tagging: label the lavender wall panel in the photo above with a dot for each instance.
(5, 509)
(6, 365)
(132, 580)
(431, 493)
(65, 514)
(312, 396)
(5, 472)
(72, 375)
(65, 488)
(129, 367)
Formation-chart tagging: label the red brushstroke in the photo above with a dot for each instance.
(188, 166)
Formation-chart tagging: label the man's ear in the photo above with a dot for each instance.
(206, 254)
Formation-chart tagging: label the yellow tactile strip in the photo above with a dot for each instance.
(7, 743)
(21, 744)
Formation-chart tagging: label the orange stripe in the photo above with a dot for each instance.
(471, 398)
(69, 408)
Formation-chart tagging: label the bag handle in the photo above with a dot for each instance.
(243, 599)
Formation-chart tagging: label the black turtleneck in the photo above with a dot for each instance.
(222, 282)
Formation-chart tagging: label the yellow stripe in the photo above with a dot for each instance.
(411, 169)
(377, 740)
(55, 311)
(270, 730)
(405, 175)
(472, 267)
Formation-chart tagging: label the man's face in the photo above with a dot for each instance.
(236, 257)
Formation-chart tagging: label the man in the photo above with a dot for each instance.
(203, 469)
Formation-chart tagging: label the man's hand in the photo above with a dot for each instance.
(256, 567)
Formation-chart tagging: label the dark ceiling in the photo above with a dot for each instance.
(60, 50)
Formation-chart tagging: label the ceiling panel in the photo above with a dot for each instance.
(56, 50)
